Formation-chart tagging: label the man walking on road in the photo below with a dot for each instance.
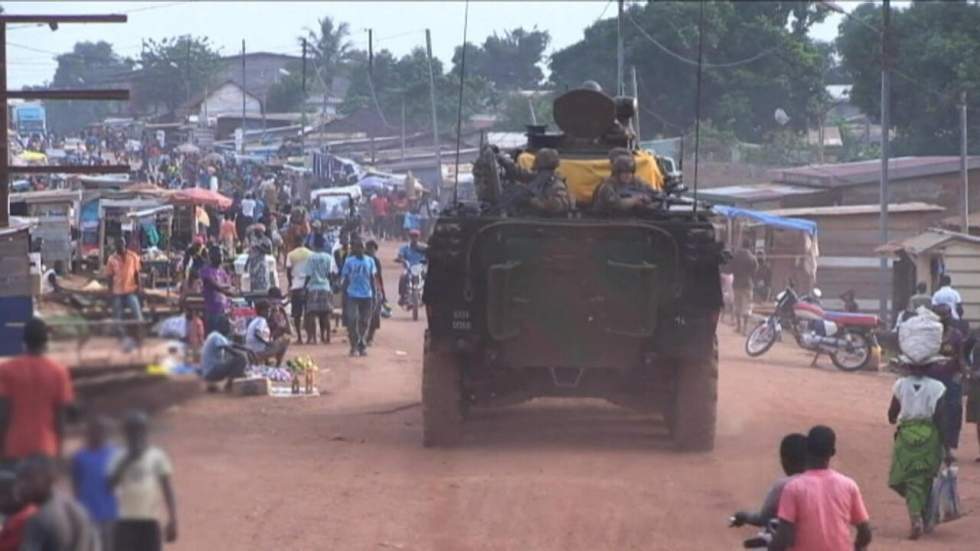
(818, 507)
(35, 394)
(358, 286)
(744, 266)
(123, 272)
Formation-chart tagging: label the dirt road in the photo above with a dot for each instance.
(346, 471)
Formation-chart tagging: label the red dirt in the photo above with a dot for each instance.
(344, 471)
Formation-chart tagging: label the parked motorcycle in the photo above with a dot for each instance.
(847, 338)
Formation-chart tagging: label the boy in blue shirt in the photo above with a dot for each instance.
(358, 286)
(90, 478)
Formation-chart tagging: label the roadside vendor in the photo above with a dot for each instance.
(216, 289)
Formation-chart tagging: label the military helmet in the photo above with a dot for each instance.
(623, 164)
(592, 85)
(617, 152)
(546, 159)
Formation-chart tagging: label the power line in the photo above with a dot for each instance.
(694, 62)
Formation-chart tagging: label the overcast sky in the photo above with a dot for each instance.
(273, 26)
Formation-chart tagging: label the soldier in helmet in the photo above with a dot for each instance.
(545, 191)
(622, 191)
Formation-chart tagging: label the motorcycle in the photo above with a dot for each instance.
(415, 282)
(762, 539)
(847, 338)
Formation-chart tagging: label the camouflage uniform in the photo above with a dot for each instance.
(543, 190)
(608, 197)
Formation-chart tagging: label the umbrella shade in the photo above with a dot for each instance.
(33, 156)
(201, 197)
(188, 148)
(214, 158)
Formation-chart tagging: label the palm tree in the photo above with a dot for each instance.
(329, 48)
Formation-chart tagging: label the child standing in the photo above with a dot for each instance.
(89, 469)
(140, 476)
(194, 331)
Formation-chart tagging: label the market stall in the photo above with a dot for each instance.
(788, 247)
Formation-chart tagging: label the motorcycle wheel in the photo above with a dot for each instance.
(415, 311)
(760, 340)
(855, 356)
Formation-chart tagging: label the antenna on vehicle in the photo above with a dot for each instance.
(697, 105)
(459, 112)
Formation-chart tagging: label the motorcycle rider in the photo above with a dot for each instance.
(792, 456)
(410, 254)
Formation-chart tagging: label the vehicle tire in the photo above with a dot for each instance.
(442, 397)
(692, 421)
(760, 339)
(862, 348)
(415, 311)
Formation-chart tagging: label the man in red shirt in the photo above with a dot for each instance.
(379, 209)
(35, 393)
(818, 508)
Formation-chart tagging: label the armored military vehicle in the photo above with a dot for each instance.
(523, 305)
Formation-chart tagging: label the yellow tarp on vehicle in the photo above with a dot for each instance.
(582, 176)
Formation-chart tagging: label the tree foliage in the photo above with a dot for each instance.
(510, 62)
(757, 58)
(175, 70)
(933, 51)
(88, 65)
(395, 80)
(286, 95)
(329, 49)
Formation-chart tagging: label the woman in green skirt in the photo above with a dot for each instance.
(918, 452)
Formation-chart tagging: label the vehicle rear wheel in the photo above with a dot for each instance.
(442, 400)
(855, 356)
(692, 421)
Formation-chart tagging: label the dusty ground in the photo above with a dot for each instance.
(346, 470)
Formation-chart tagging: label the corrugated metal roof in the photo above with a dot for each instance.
(925, 241)
(850, 210)
(867, 172)
(756, 192)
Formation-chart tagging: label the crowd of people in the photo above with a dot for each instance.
(122, 497)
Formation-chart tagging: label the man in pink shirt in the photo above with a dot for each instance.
(818, 507)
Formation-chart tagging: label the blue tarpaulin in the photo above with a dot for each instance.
(768, 219)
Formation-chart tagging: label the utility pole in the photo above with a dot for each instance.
(636, 100)
(435, 122)
(403, 125)
(302, 109)
(886, 50)
(619, 50)
(964, 172)
(187, 68)
(243, 98)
